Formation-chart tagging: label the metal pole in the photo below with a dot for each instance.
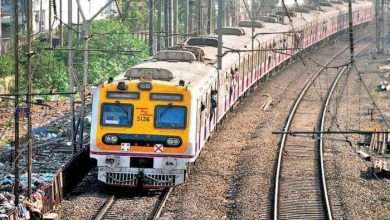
(50, 23)
(190, 15)
(170, 22)
(226, 14)
(382, 37)
(70, 74)
(253, 9)
(159, 13)
(175, 21)
(78, 25)
(41, 27)
(377, 26)
(209, 17)
(351, 46)
(1, 30)
(16, 89)
(200, 17)
(61, 27)
(151, 51)
(29, 88)
(253, 33)
(187, 17)
(219, 23)
(85, 81)
(166, 23)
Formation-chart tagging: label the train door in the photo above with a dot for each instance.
(204, 115)
(249, 71)
(198, 135)
(222, 97)
(242, 76)
(213, 105)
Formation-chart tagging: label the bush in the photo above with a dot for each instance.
(6, 65)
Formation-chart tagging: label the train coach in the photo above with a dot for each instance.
(151, 122)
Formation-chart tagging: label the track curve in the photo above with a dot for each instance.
(300, 190)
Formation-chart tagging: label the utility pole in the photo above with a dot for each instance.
(151, 41)
(78, 26)
(170, 22)
(186, 16)
(85, 81)
(70, 74)
(210, 17)
(159, 13)
(199, 17)
(253, 34)
(254, 9)
(383, 25)
(166, 22)
(50, 24)
(378, 26)
(190, 16)
(219, 23)
(1, 29)
(28, 98)
(61, 27)
(175, 21)
(86, 26)
(227, 13)
(351, 46)
(16, 90)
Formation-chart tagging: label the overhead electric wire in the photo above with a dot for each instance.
(371, 97)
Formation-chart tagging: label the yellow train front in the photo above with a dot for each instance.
(140, 133)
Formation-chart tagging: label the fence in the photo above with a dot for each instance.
(64, 180)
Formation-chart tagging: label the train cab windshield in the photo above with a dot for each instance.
(117, 115)
(171, 117)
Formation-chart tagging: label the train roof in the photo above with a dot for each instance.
(194, 72)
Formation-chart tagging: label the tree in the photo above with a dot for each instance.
(112, 36)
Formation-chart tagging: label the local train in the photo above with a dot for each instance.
(151, 122)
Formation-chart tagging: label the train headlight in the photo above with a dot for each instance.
(111, 139)
(173, 141)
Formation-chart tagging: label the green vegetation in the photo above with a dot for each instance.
(6, 65)
(50, 67)
(104, 65)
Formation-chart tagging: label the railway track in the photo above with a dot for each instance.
(109, 211)
(300, 190)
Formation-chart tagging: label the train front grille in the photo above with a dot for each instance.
(128, 179)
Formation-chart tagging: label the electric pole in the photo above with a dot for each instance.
(70, 74)
(200, 17)
(159, 13)
(210, 17)
(175, 21)
(219, 23)
(166, 23)
(61, 27)
(151, 42)
(170, 22)
(50, 23)
(351, 46)
(16, 91)
(190, 15)
(29, 90)
(85, 81)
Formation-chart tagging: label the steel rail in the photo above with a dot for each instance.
(107, 206)
(320, 142)
(321, 128)
(160, 204)
(286, 130)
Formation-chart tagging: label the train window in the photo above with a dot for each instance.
(171, 117)
(120, 115)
